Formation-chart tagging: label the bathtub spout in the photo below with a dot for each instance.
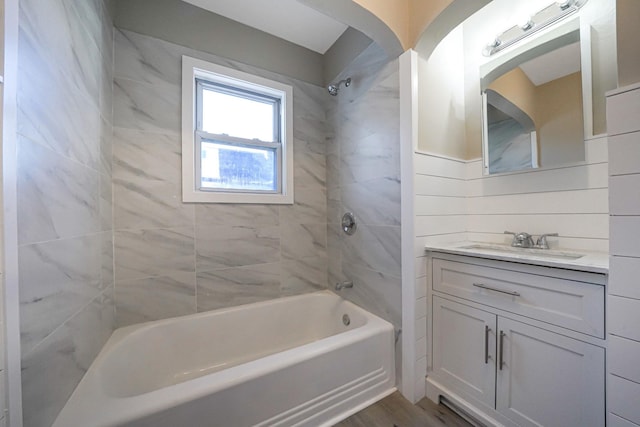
(344, 285)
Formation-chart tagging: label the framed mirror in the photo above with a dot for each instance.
(532, 100)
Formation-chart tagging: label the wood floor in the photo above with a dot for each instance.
(396, 411)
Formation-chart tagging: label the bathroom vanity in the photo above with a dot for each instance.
(517, 337)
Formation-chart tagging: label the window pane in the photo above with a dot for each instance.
(238, 116)
(232, 167)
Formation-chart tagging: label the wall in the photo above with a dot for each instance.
(173, 258)
(628, 33)
(571, 200)
(441, 123)
(64, 197)
(440, 209)
(623, 300)
(188, 25)
(559, 121)
(395, 15)
(407, 18)
(349, 45)
(363, 177)
(3, 322)
(517, 88)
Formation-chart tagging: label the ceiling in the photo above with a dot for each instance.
(553, 65)
(287, 19)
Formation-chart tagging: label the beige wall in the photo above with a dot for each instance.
(555, 108)
(406, 18)
(422, 14)
(628, 34)
(517, 88)
(441, 128)
(559, 121)
(395, 14)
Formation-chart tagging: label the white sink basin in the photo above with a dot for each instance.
(544, 253)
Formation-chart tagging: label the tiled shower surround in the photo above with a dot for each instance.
(105, 240)
(64, 197)
(174, 258)
(363, 177)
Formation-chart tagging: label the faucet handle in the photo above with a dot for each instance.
(521, 240)
(542, 243)
(514, 241)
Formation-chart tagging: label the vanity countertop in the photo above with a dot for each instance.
(593, 262)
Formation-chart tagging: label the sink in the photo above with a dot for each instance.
(544, 253)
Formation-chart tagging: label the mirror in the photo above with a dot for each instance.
(532, 107)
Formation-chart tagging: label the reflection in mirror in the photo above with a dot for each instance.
(511, 134)
(533, 115)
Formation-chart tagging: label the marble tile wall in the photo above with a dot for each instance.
(65, 222)
(363, 177)
(173, 258)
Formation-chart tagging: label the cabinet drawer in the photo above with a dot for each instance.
(574, 305)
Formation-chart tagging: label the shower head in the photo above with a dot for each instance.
(334, 88)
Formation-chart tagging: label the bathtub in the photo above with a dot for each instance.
(309, 360)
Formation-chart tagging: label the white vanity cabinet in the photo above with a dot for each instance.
(517, 344)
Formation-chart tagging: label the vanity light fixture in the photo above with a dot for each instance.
(542, 19)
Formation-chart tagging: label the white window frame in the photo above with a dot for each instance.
(194, 69)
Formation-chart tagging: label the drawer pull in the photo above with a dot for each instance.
(501, 353)
(486, 344)
(480, 285)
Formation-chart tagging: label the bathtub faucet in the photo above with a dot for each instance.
(344, 285)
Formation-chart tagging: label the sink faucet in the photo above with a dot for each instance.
(521, 240)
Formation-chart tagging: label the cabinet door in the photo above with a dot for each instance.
(464, 348)
(546, 379)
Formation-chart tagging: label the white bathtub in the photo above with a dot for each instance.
(285, 362)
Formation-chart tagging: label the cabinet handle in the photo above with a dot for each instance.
(480, 285)
(500, 360)
(486, 344)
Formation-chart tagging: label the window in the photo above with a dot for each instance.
(237, 136)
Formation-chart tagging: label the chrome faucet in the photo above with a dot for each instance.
(542, 241)
(344, 285)
(521, 240)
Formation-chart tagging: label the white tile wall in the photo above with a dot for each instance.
(440, 215)
(173, 258)
(624, 152)
(572, 201)
(624, 277)
(624, 355)
(623, 117)
(623, 398)
(615, 421)
(65, 257)
(623, 110)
